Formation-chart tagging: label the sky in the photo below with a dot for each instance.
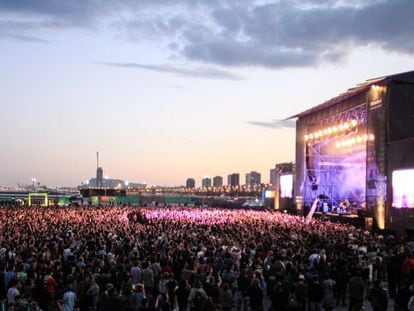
(167, 90)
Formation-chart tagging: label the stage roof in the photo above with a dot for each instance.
(360, 88)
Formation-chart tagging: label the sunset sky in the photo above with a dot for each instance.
(167, 90)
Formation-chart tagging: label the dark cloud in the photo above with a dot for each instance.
(271, 34)
(197, 72)
(275, 124)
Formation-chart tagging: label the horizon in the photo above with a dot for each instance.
(166, 91)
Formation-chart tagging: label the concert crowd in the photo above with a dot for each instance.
(176, 258)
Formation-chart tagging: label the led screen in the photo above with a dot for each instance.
(403, 188)
(286, 186)
(269, 194)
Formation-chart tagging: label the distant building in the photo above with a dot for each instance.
(99, 177)
(233, 179)
(272, 176)
(253, 178)
(217, 181)
(110, 183)
(190, 183)
(206, 183)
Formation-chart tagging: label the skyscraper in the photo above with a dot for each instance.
(190, 183)
(217, 181)
(253, 178)
(206, 183)
(272, 177)
(233, 179)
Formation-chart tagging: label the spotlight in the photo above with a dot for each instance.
(349, 142)
(311, 136)
(306, 137)
(335, 129)
(325, 131)
(346, 125)
(365, 137)
(353, 140)
(338, 145)
(371, 137)
(354, 123)
(320, 133)
(341, 127)
(330, 130)
(359, 139)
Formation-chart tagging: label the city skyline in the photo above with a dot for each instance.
(168, 90)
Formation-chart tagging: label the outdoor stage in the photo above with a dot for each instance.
(354, 154)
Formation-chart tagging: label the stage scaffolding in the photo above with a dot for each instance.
(324, 166)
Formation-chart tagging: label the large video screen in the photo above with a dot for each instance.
(403, 188)
(286, 186)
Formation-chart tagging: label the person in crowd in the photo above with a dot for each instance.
(378, 297)
(356, 288)
(250, 254)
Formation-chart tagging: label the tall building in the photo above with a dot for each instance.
(253, 178)
(233, 179)
(190, 183)
(99, 177)
(248, 179)
(217, 181)
(272, 176)
(99, 173)
(206, 183)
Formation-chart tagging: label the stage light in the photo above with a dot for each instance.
(365, 137)
(306, 137)
(338, 145)
(354, 123)
(335, 129)
(325, 131)
(371, 137)
(341, 127)
(349, 142)
(353, 140)
(311, 136)
(346, 125)
(330, 130)
(359, 139)
(343, 143)
(320, 133)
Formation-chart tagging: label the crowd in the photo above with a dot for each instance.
(195, 259)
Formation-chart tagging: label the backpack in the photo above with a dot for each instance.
(292, 301)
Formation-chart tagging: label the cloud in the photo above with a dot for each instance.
(29, 39)
(275, 124)
(271, 34)
(197, 72)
